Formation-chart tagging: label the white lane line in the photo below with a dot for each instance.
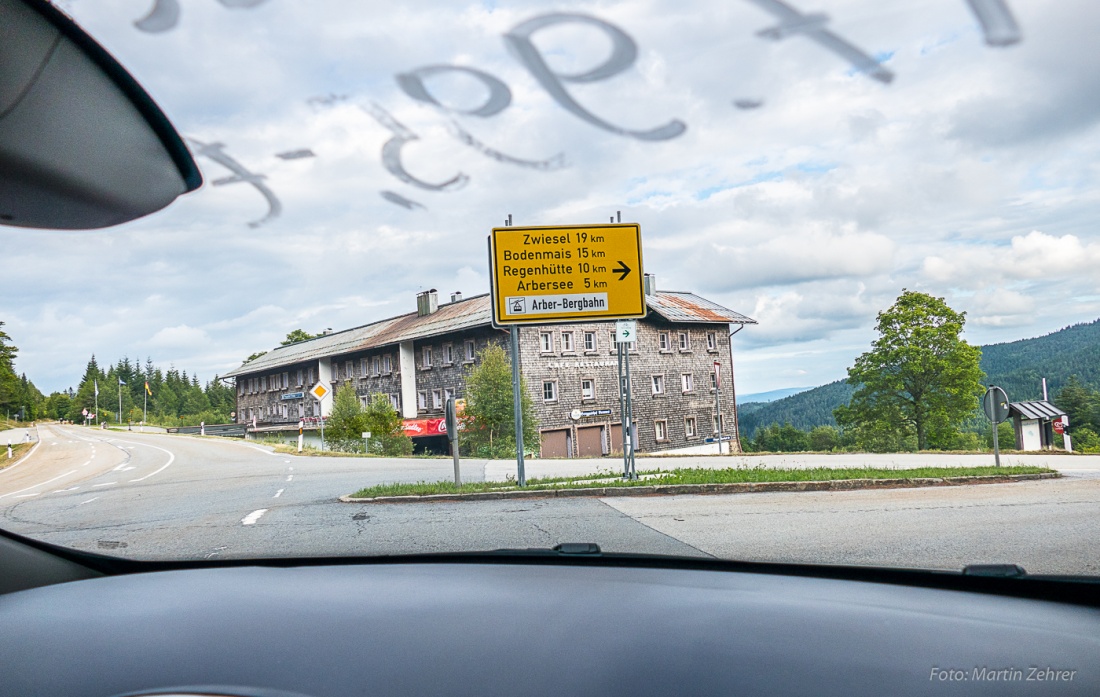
(256, 447)
(171, 459)
(278, 493)
(60, 476)
(252, 517)
(26, 457)
(62, 491)
(287, 461)
(88, 501)
(290, 468)
(24, 496)
(290, 477)
(104, 484)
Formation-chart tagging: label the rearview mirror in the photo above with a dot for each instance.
(82, 145)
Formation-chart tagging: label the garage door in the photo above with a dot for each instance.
(557, 443)
(617, 438)
(590, 441)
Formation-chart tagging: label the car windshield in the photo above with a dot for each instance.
(764, 280)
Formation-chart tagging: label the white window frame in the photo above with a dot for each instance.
(657, 383)
(395, 402)
(685, 341)
(664, 342)
(425, 357)
(691, 427)
(349, 370)
(712, 341)
(422, 399)
(470, 349)
(447, 394)
(591, 393)
(687, 382)
(594, 341)
(437, 398)
(568, 345)
(553, 390)
(363, 367)
(387, 364)
(660, 430)
(376, 365)
(300, 377)
(546, 342)
(448, 353)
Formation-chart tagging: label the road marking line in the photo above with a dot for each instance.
(88, 501)
(252, 517)
(256, 447)
(23, 496)
(26, 457)
(290, 468)
(290, 477)
(171, 459)
(60, 476)
(278, 493)
(104, 484)
(62, 491)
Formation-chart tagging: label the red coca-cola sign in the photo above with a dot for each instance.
(416, 428)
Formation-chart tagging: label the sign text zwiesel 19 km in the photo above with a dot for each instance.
(576, 273)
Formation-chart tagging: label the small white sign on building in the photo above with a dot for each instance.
(626, 331)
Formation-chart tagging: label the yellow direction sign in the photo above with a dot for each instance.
(574, 273)
(319, 391)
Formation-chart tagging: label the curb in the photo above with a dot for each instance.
(730, 488)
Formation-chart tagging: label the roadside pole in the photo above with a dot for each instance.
(626, 332)
(995, 406)
(521, 477)
(301, 425)
(718, 403)
(452, 435)
(623, 418)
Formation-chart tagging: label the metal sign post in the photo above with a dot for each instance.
(626, 332)
(521, 478)
(995, 405)
(718, 403)
(452, 435)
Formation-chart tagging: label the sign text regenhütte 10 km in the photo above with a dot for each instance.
(574, 273)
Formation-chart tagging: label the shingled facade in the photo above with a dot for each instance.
(420, 359)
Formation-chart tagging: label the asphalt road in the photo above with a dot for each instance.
(154, 496)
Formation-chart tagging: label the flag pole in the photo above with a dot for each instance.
(145, 408)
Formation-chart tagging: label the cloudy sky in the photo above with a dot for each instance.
(771, 176)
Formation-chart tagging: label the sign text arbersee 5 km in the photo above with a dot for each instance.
(575, 273)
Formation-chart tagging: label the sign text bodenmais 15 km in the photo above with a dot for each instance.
(576, 273)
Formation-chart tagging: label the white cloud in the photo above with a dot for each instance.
(971, 176)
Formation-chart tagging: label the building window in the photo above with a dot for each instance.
(363, 370)
(567, 342)
(546, 342)
(685, 341)
(311, 380)
(395, 402)
(240, 389)
(549, 391)
(712, 341)
(263, 384)
(437, 399)
(660, 429)
(658, 384)
(687, 382)
(300, 377)
(387, 364)
(349, 370)
(422, 400)
(690, 428)
(664, 343)
(376, 365)
(448, 354)
(588, 389)
(469, 350)
(447, 394)
(717, 423)
(713, 381)
(590, 341)
(426, 357)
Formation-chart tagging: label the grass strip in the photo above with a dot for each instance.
(695, 476)
(18, 450)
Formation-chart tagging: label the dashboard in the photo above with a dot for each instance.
(529, 626)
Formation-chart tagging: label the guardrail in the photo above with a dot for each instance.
(227, 430)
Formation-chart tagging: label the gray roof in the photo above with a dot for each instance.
(464, 314)
(1035, 410)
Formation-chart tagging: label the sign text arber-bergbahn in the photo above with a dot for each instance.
(576, 273)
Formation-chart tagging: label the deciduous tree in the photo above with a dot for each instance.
(920, 378)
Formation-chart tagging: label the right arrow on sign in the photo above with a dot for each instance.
(622, 269)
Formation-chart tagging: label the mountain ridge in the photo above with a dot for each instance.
(1017, 366)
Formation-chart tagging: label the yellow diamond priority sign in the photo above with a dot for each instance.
(574, 273)
(320, 391)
